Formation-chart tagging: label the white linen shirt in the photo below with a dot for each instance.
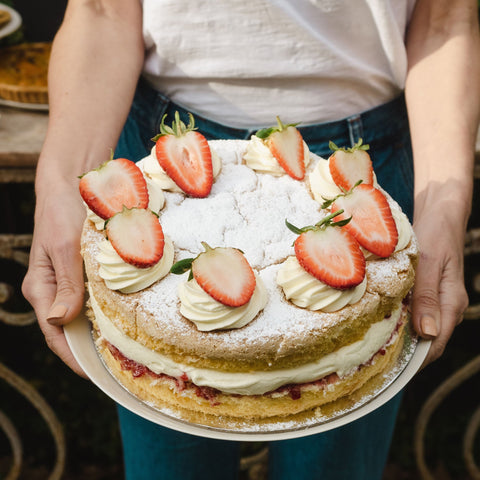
(243, 62)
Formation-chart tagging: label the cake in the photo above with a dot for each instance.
(220, 318)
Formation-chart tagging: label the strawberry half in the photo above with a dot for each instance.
(330, 254)
(372, 223)
(113, 185)
(185, 156)
(223, 273)
(137, 236)
(349, 165)
(285, 143)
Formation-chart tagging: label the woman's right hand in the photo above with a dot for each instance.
(54, 283)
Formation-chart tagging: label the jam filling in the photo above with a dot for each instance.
(183, 383)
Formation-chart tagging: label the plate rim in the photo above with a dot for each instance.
(78, 335)
(23, 105)
(14, 23)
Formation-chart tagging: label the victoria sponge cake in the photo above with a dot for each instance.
(246, 283)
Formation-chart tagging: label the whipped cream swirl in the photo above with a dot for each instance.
(153, 170)
(306, 291)
(156, 201)
(259, 157)
(126, 278)
(208, 314)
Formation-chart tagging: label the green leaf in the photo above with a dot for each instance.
(265, 132)
(358, 146)
(293, 228)
(341, 223)
(182, 266)
(333, 147)
(327, 202)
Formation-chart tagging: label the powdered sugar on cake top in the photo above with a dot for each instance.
(244, 210)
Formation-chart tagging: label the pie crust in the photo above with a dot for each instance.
(23, 72)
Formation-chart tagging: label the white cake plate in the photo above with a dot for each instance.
(79, 338)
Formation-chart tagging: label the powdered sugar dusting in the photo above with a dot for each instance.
(244, 210)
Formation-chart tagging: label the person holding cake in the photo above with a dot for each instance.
(348, 71)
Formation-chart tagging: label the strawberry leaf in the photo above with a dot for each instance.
(293, 228)
(358, 146)
(177, 129)
(182, 266)
(265, 132)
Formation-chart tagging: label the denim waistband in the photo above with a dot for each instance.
(370, 125)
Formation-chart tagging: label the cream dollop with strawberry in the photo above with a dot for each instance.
(341, 173)
(157, 175)
(278, 151)
(306, 291)
(222, 291)
(115, 184)
(209, 314)
(181, 160)
(156, 201)
(259, 157)
(136, 253)
(328, 270)
(126, 278)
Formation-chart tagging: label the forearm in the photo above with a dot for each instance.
(95, 63)
(442, 93)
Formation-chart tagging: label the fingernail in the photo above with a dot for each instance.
(429, 326)
(56, 314)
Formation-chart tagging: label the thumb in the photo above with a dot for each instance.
(426, 304)
(69, 296)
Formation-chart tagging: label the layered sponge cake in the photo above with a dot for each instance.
(240, 283)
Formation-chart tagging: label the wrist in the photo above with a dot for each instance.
(450, 200)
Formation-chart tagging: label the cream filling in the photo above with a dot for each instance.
(259, 157)
(152, 169)
(208, 314)
(343, 362)
(126, 278)
(305, 291)
(156, 201)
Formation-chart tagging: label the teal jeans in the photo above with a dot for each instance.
(356, 451)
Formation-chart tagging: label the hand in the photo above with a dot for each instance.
(54, 283)
(439, 296)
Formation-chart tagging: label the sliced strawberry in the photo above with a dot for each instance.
(372, 223)
(349, 166)
(113, 185)
(330, 254)
(286, 144)
(137, 236)
(223, 273)
(185, 156)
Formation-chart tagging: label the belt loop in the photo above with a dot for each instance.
(355, 128)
